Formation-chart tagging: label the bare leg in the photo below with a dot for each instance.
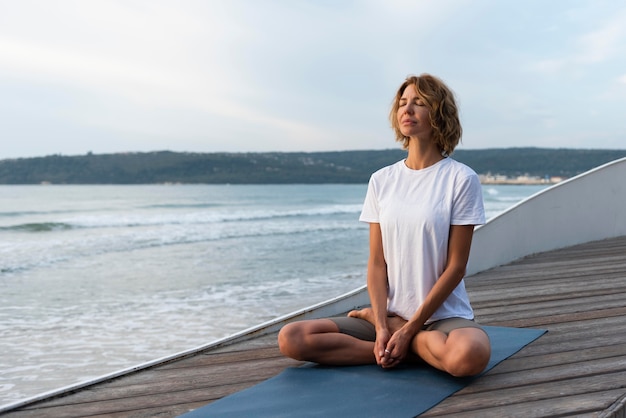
(464, 352)
(320, 341)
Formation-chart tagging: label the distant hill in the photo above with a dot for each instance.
(275, 167)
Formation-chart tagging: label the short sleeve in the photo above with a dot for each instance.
(468, 208)
(370, 212)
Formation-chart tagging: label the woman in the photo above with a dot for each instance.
(421, 212)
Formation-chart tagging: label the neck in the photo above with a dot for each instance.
(422, 154)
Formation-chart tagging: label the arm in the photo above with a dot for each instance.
(377, 288)
(459, 244)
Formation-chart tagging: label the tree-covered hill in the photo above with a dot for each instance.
(274, 167)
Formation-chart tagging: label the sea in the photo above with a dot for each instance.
(95, 279)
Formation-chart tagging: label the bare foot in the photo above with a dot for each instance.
(394, 322)
(365, 313)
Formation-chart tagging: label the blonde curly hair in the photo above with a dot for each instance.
(444, 115)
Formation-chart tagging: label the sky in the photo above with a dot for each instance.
(295, 75)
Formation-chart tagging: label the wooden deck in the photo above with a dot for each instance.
(577, 369)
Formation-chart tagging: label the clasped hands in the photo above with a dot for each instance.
(390, 350)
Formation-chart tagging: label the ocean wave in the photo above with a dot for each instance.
(210, 217)
(38, 227)
(111, 220)
(45, 253)
(15, 214)
(182, 206)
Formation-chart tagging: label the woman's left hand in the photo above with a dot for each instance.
(397, 349)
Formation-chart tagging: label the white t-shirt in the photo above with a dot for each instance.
(415, 209)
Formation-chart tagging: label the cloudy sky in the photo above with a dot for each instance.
(295, 75)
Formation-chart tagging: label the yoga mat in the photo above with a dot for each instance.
(358, 391)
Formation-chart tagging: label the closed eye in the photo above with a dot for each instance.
(417, 102)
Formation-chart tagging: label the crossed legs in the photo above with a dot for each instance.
(320, 341)
(462, 352)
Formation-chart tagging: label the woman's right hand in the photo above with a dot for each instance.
(380, 346)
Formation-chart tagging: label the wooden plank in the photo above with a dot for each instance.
(163, 381)
(546, 287)
(560, 358)
(585, 303)
(558, 342)
(540, 321)
(501, 301)
(167, 411)
(552, 271)
(591, 327)
(270, 352)
(126, 406)
(565, 285)
(548, 374)
(529, 393)
(558, 345)
(586, 403)
(571, 313)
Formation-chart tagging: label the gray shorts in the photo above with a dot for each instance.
(363, 330)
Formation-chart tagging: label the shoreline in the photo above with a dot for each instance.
(514, 182)
(520, 180)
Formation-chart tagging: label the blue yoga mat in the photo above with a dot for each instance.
(358, 391)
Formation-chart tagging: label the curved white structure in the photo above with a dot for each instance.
(588, 207)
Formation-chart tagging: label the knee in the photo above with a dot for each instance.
(468, 360)
(291, 341)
